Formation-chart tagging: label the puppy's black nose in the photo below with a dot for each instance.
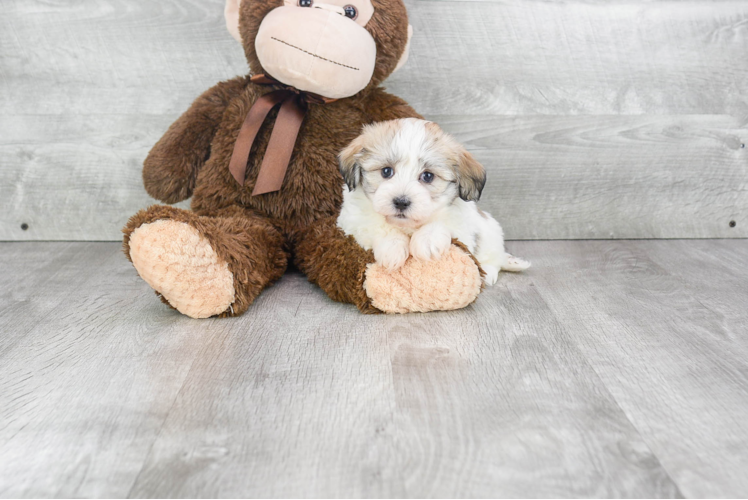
(402, 203)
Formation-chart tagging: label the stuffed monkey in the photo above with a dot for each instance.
(317, 72)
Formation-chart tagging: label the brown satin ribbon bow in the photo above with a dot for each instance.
(294, 105)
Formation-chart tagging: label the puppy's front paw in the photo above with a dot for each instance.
(492, 275)
(430, 242)
(392, 252)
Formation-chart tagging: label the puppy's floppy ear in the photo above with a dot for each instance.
(471, 176)
(349, 166)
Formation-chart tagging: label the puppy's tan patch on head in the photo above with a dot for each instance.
(378, 137)
(433, 128)
(439, 140)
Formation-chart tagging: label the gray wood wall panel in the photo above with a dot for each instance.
(622, 176)
(595, 120)
(569, 57)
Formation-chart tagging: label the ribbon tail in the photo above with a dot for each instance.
(249, 130)
(280, 148)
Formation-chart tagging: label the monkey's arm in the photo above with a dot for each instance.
(334, 261)
(383, 106)
(170, 170)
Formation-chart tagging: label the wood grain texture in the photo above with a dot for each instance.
(112, 57)
(114, 394)
(35, 279)
(81, 177)
(85, 384)
(549, 177)
(643, 104)
(608, 177)
(664, 326)
(514, 57)
(335, 404)
(469, 57)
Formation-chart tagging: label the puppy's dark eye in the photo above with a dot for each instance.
(427, 177)
(387, 172)
(305, 3)
(351, 12)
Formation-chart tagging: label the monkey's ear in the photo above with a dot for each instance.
(406, 52)
(471, 177)
(350, 168)
(231, 12)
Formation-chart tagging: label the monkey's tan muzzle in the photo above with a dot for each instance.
(316, 50)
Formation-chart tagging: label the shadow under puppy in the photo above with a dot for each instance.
(411, 188)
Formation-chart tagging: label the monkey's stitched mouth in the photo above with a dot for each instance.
(313, 55)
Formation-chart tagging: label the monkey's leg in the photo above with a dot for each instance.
(347, 273)
(204, 266)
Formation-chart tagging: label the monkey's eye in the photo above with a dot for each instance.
(351, 12)
(387, 172)
(306, 3)
(427, 177)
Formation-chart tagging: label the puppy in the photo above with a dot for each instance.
(411, 188)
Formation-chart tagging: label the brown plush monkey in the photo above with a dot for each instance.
(216, 259)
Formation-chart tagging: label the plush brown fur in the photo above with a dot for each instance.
(170, 170)
(337, 264)
(256, 235)
(254, 250)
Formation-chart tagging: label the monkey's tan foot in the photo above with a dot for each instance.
(450, 283)
(182, 266)
(205, 266)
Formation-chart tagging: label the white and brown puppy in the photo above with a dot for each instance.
(411, 188)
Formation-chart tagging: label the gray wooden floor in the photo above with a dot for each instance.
(610, 369)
